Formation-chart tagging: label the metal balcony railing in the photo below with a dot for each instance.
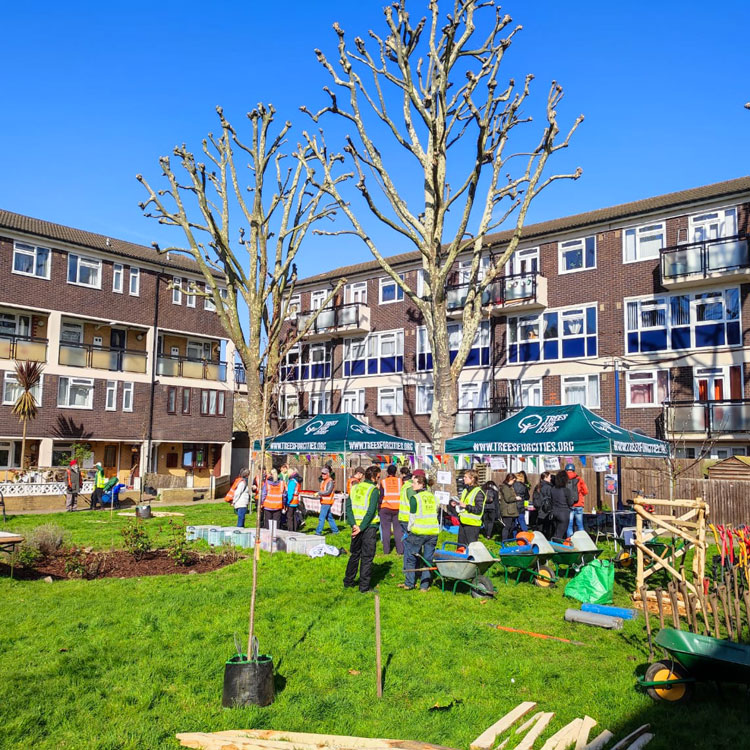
(507, 289)
(353, 315)
(708, 417)
(240, 376)
(184, 367)
(13, 346)
(102, 357)
(701, 259)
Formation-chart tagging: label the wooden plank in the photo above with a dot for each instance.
(561, 738)
(662, 563)
(666, 525)
(487, 739)
(529, 722)
(642, 741)
(627, 741)
(528, 741)
(583, 735)
(600, 741)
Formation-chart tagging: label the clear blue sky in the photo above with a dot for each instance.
(93, 93)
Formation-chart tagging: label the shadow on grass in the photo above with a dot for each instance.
(380, 571)
(384, 674)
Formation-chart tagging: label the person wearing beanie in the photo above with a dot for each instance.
(72, 486)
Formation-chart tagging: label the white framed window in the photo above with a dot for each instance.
(390, 401)
(425, 397)
(75, 393)
(110, 401)
(12, 391)
(212, 403)
(288, 405)
(356, 292)
(523, 262)
(127, 396)
(134, 288)
(71, 333)
(390, 291)
(644, 242)
(295, 305)
(353, 401)
(581, 389)
(527, 392)
(190, 298)
(117, 273)
(14, 325)
(84, 271)
(455, 335)
(176, 291)
(464, 269)
(198, 350)
(29, 260)
(647, 387)
(208, 302)
(577, 255)
(317, 298)
(6, 455)
(320, 402)
(473, 395)
(712, 225)
(377, 353)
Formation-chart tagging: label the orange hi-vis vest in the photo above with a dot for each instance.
(325, 499)
(230, 495)
(274, 499)
(391, 493)
(349, 484)
(294, 502)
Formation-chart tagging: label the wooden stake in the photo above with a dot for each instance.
(644, 599)
(725, 607)
(600, 741)
(377, 647)
(660, 604)
(715, 613)
(672, 590)
(746, 596)
(704, 612)
(682, 588)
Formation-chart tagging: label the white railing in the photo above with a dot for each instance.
(24, 488)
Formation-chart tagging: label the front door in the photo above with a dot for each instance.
(710, 384)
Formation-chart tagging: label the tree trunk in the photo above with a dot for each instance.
(23, 443)
(445, 398)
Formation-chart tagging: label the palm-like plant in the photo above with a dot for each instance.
(28, 377)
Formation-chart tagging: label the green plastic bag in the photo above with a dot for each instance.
(594, 583)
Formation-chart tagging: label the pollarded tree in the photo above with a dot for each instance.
(248, 263)
(432, 91)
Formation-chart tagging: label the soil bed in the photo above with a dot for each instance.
(115, 564)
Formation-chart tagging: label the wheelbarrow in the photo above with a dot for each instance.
(518, 557)
(694, 658)
(575, 553)
(464, 566)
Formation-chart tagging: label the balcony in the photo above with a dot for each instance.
(707, 418)
(520, 291)
(353, 318)
(184, 367)
(693, 264)
(102, 357)
(23, 348)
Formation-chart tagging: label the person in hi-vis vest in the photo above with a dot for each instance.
(470, 509)
(326, 496)
(419, 545)
(362, 516)
(390, 497)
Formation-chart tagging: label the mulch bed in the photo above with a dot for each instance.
(116, 564)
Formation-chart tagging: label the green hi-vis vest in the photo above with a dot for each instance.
(360, 497)
(466, 517)
(403, 505)
(100, 480)
(425, 520)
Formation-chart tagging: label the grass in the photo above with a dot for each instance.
(128, 663)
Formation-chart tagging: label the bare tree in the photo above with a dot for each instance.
(248, 265)
(433, 89)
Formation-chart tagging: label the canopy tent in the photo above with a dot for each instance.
(336, 433)
(557, 431)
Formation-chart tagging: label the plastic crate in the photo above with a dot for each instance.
(300, 543)
(215, 536)
(241, 537)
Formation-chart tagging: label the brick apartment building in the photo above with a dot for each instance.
(134, 368)
(658, 288)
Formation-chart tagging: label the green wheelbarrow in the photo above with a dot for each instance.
(517, 558)
(465, 566)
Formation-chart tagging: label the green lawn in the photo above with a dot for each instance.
(128, 663)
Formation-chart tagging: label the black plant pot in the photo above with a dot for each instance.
(248, 683)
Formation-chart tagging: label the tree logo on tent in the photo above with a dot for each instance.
(606, 427)
(363, 428)
(319, 427)
(541, 424)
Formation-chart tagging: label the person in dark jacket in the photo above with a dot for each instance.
(542, 499)
(508, 506)
(491, 508)
(362, 516)
(470, 509)
(562, 502)
(521, 487)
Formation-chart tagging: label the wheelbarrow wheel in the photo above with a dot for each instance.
(482, 588)
(545, 577)
(624, 559)
(663, 671)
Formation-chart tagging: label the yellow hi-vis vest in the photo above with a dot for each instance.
(403, 504)
(360, 497)
(466, 517)
(425, 521)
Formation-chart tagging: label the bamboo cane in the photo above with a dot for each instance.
(378, 667)
(644, 597)
(672, 591)
(660, 605)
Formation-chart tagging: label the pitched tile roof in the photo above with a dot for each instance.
(577, 221)
(83, 239)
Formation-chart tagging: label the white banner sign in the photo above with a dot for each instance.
(497, 463)
(601, 463)
(551, 463)
(444, 477)
(442, 497)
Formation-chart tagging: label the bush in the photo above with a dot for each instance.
(27, 555)
(47, 539)
(136, 539)
(177, 549)
(75, 565)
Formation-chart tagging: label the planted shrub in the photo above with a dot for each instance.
(47, 539)
(177, 548)
(136, 539)
(27, 555)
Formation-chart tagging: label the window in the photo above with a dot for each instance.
(84, 271)
(171, 399)
(377, 354)
(110, 401)
(171, 460)
(194, 457)
(526, 392)
(317, 299)
(295, 305)
(581, 389)
(6, 455)
(643, 243)
(717, 383)
(176, 291)
(117, 274)
(647, 388)
(186, 400)
(478, 356)
(190, 286)
(390, 291)
(29, 260)
(311, 362)
(212, 403)
(577, 255)
(135, 282)
(71, 333)
(353, 402)
(14, 325)
(75, 393)
(288, 405)
(713, 225)
(425, 396)
(197, 351)
(473, 395)
(127, 397)
(523, 262)
(12, 391)
(320, 403)
(356, 292)
(390, 401)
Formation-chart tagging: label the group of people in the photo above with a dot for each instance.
(74, 482)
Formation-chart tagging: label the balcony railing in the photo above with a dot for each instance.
(353, 317)
(23, 347)
(240, 376)
(700, 260)
(102, 357)
(507, 290)
(708, 417)
(184, 367)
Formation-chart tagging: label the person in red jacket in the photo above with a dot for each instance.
(578, 489)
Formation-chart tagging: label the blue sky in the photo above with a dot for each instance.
(94, 93)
